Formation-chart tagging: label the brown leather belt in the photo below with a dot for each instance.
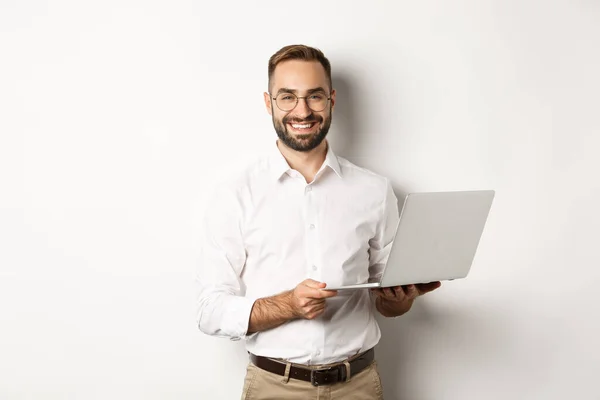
(318, 377)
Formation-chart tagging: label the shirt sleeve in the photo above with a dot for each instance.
(381, 244)
(222, 309)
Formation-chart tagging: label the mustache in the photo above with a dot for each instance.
(292, 120)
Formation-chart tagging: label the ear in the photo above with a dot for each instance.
(332, 99)
(268, 103)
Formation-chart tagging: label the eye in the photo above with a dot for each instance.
(317, 97)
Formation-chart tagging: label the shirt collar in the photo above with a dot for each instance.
(279, 164)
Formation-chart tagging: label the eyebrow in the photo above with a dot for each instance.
(294, 91)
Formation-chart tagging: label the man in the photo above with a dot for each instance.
(274, 237)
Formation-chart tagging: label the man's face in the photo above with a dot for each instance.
(301, 129)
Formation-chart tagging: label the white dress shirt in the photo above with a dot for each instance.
(267, 230)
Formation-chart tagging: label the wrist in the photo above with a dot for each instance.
(270, 312)
(287, 300)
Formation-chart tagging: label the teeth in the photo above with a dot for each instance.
(304, 126)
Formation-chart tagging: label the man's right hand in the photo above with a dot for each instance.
(307, 300)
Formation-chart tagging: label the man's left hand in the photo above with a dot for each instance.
(397, 300)
(406, 292)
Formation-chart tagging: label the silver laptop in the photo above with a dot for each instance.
(436, 238)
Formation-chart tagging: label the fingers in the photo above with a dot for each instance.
(313, 290)
(325, 294)
(389, 293)
(311, 308)
(397, 293)
(428, 287)
(318, 293)
(315, 311)
(313, 284)
(379, 292)
(313, 302)
(411, 292)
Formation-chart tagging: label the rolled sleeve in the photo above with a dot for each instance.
(381, 244)
(222, 309)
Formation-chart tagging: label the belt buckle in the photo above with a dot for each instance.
(326, 371)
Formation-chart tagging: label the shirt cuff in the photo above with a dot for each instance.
(237, 317)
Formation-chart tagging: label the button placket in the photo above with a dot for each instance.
(312, 258)
(310, 234)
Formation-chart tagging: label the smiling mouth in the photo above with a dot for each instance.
(307, 126)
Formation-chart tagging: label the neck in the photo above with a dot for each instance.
(307, 163)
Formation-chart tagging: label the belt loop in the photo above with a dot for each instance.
(348, 372)
(286, 375)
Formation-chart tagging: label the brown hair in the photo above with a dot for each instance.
(299, 52)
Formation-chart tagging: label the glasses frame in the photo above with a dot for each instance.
(298, 100)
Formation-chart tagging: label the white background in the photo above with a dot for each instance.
(118, 117)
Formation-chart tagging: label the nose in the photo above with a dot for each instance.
(302, 109)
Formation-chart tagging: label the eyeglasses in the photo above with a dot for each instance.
(288, 101)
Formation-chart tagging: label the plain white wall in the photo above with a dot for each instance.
(116, 121)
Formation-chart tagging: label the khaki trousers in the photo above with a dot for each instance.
(262, 385)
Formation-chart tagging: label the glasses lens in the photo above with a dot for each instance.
(286, 101)
(317, 101)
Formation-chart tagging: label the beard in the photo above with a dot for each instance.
(300, 142)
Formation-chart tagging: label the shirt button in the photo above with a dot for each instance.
(308, 188)
(312, 226)
(317, 352)
(314, 267)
